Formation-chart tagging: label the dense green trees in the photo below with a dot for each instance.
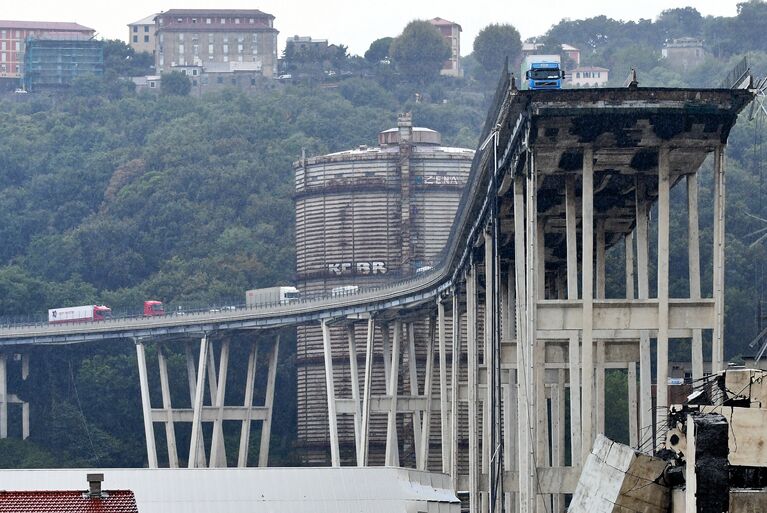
(496, 43)
(420, 51)
(111, 197)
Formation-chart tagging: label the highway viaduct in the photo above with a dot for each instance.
(522, 333)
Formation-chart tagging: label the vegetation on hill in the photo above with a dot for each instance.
(111, 197)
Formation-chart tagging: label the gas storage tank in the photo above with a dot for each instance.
(366, 217)
(373, 215)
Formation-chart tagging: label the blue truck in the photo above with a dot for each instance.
(542, 72)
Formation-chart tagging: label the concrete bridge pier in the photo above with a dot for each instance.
(6, 398)
(216, 412)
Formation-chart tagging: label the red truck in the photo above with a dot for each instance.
(89, 313)
(152, 308)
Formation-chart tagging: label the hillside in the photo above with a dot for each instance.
(111, 197)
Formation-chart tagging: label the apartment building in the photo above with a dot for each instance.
(141, 35)
(452, 34)
(240, 39)
(13, 35)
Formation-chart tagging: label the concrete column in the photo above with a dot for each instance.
(170, 431)
(539, 346)
(663, 294)
(599, 377)
(355, 383)
(362, 455)
(587, 275)
(693, 255)
(218, 449)
(454, 392)
(629, 251)
(387, 356)
(557, 432)
(489, 360)
(632, 400)
(218, 436)
(146, 405)
(643, 291)
(473, 380)
(413, 372)
(25, 404)
(266, 426)
(527, 497)
(717, 342)
(599, 386)
(423, 456)
(196, 440)
(250, 377)
(391, 425)
(443, 401)
(536, 355)
(574, 348)
(335, 456)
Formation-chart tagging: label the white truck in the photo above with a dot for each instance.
(271, 296)
(85, 313)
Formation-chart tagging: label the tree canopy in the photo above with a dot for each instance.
(496, 43)
(420, 51)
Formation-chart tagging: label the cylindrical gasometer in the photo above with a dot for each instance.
(367, 217)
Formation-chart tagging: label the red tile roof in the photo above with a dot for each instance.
(114, 501)
(44, 25)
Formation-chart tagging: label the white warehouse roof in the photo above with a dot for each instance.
(252, 490)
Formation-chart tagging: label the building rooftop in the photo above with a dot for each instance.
(443, 22)
(44, 25)
(149, 20)
(217, 12)
(235, 490)
(114, 501)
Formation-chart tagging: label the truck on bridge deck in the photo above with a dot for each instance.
(84, 313)
(542, 72)
(271, 296)
(153, 308)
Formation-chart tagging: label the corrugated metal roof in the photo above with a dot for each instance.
(44, 25)
(114, 501)
(274, 490)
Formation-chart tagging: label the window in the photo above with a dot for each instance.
(146, 39)
(2, 34)
(223, 20)
(2, 46)
(210, 38)
(210, 49)
(2, 57)
(194, 20)
(226, 48)
(135, 29)
(181, 36)
(194, 72)
(183, 72)
(207, 21)
(251, 21)
(226, 58)
(146, 28)
(135, 40)
(252, 81)
(17, 46)
(179, 20)
(18, 34)
(220, 80)
(577, 74)
(239, 48)
(237, 21)
(195, 49)
(180, 48)
(152, 85)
